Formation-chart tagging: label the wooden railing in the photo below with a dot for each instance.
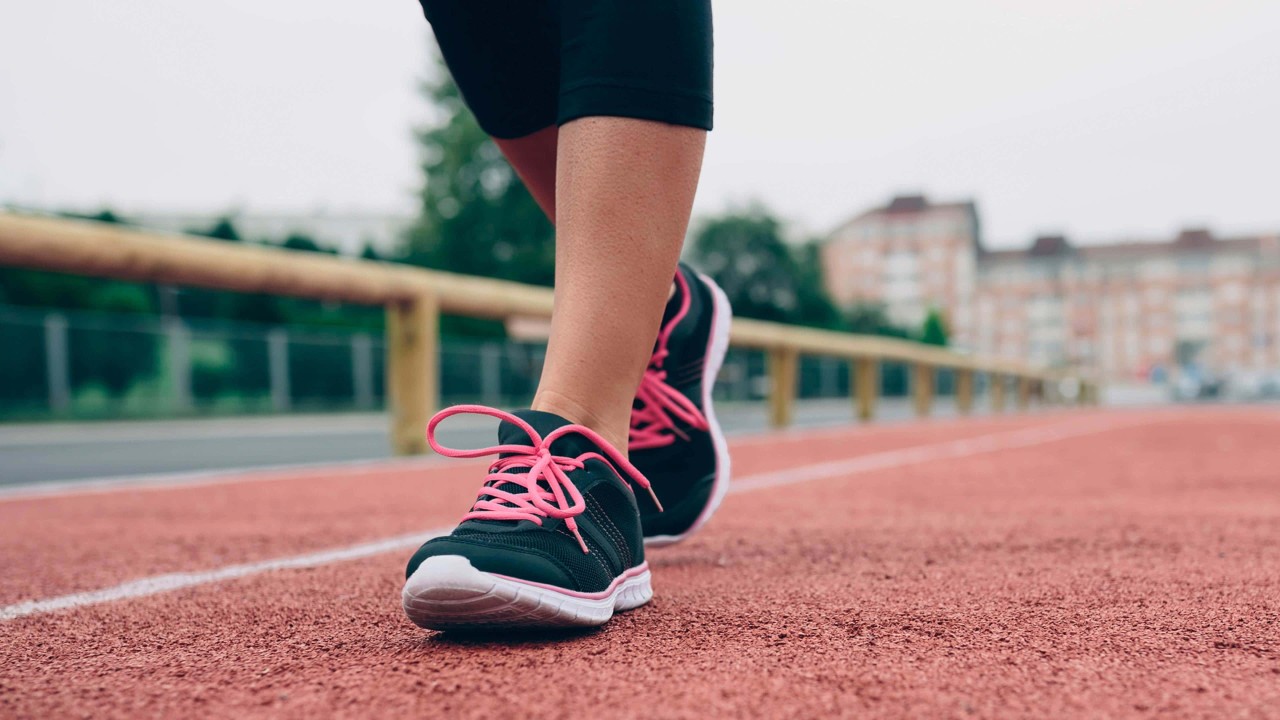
(415, 298)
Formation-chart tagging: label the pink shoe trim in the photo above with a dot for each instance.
(636, 571)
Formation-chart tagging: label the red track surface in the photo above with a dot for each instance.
(1129, 567)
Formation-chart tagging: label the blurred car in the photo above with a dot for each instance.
(1269, 388)
(1253, 386)
(1195, 383)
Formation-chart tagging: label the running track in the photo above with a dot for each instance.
(1098, 563)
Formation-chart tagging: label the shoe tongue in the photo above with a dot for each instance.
(571, 445)
(681, 330)
(676, 300)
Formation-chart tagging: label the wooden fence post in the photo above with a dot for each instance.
(866, 387)
(922, 388)
(783, 369)
(413, 373)
(964, 391)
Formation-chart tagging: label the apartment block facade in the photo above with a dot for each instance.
(911, 255)
(1125, 311)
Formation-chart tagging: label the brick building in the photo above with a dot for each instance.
(1127, 309)
(912, 255)
(1124, 310)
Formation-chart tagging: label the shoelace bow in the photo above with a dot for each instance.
(659, 406)
(545, 487)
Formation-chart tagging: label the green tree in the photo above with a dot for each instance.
(762, 275)
(476, 216)
(813, 305)
(224, 228)
(743, 251)
(934, 329)
(298, 241)
(105, 215)
(871, 318)
(369, 252)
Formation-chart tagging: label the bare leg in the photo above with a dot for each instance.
(624, 191)
(534, 159)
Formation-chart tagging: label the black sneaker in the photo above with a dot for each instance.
(675, 440)
(553, 540)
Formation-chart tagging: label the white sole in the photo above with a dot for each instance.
(715, 358)
(447, 593)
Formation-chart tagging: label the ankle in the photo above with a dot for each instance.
(612, 429)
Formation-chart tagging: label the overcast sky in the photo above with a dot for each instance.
(1104, 119)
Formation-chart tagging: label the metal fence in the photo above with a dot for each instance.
(94, 365)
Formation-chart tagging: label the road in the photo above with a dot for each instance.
(37, 453)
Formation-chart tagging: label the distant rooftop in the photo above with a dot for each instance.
(902, 206)
(911, 204)
(1048, 245)
(1189, 240)
(907, 204)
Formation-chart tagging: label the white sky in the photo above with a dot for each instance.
(1103, 119)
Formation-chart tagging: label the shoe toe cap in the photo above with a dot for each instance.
(517, 563)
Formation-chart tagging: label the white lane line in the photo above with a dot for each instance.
(952, 449)
(157, 584)
(966, 447)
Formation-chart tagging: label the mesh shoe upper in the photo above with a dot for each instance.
(541, 547)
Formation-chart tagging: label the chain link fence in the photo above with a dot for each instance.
(85, 365)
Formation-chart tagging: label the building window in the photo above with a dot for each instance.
(1231, 292)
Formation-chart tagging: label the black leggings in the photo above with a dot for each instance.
(524, 65)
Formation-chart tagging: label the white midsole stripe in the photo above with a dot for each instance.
(951, 449)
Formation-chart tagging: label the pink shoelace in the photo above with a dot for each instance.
(659, 406)
(545, 488)
(653, 421)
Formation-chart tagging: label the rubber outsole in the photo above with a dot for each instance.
(718, 346)
(447, 593)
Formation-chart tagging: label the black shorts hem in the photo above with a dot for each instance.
(611, 100)
(514, 130)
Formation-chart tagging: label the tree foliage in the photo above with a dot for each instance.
(476, 216)
(934, 331)
(813, 305)
(767, 278)
(744, 252)
(872, 318)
